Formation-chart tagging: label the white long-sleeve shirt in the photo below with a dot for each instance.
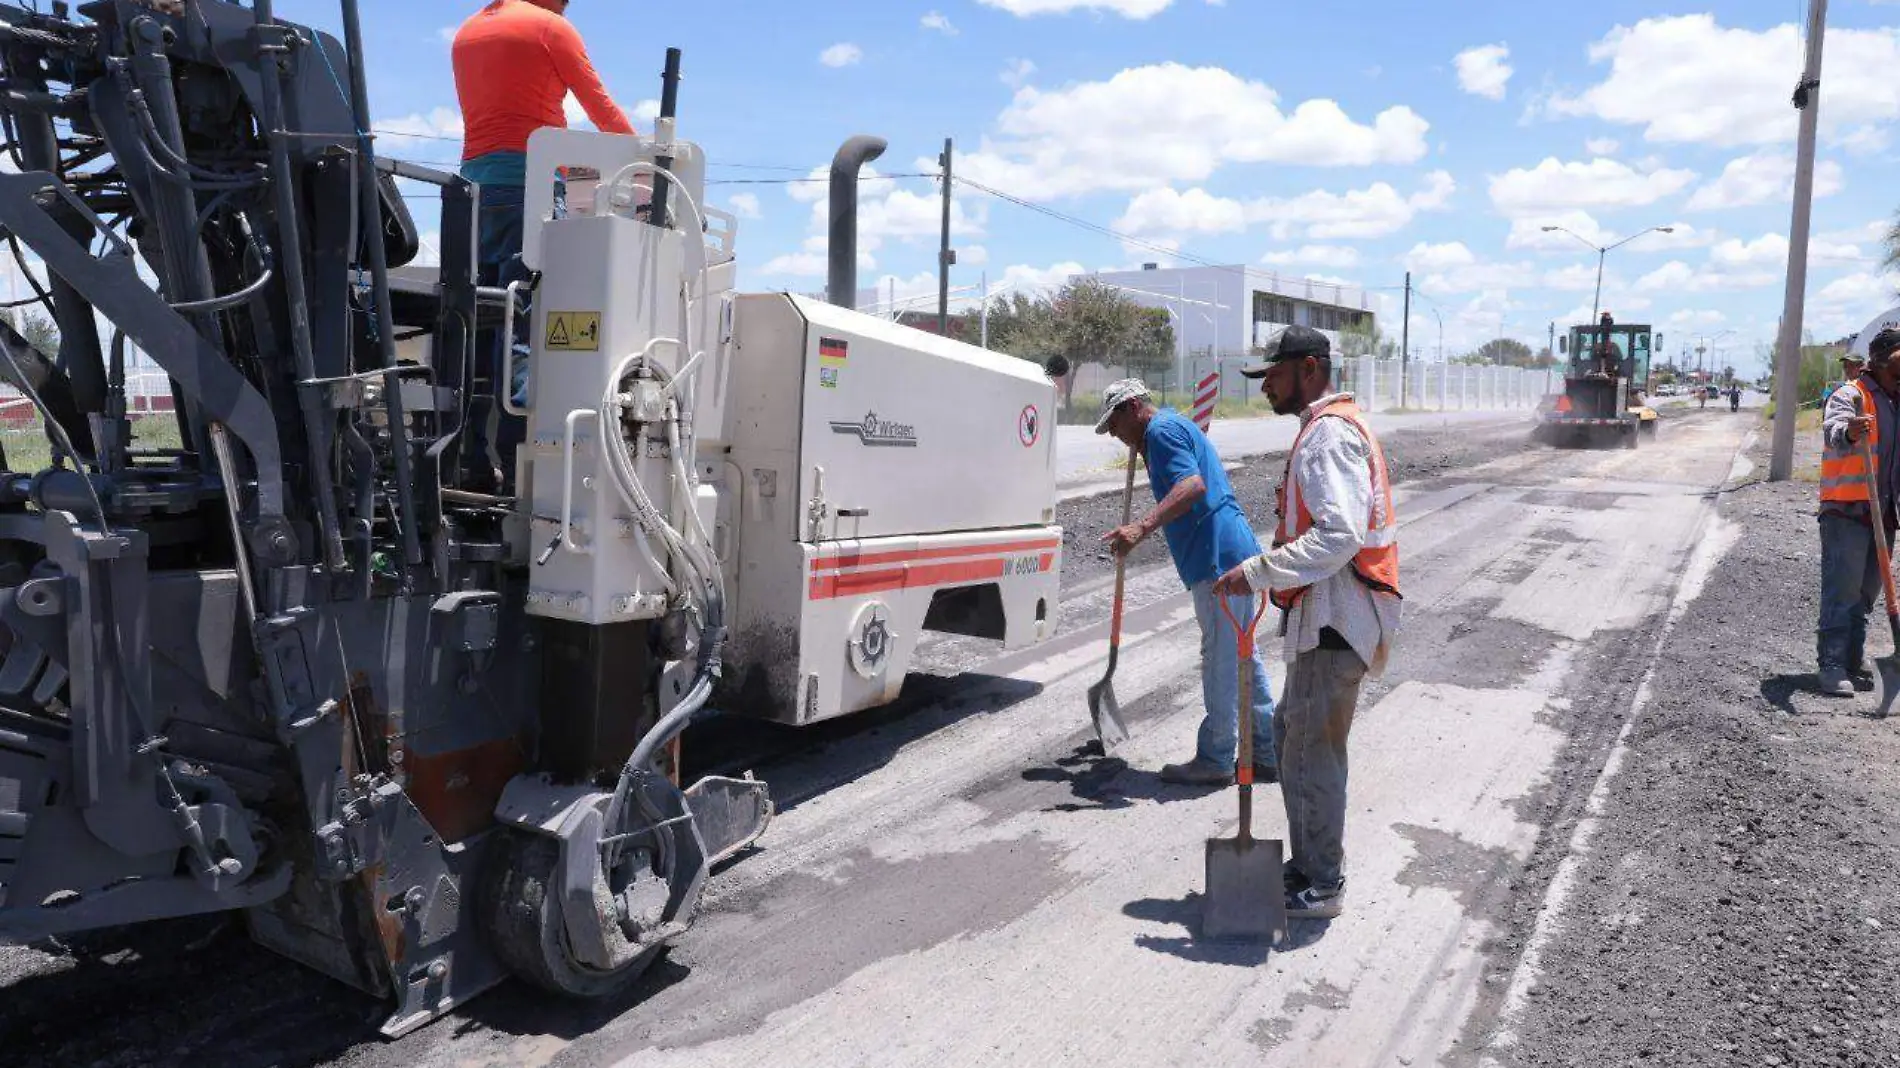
(1333, 469)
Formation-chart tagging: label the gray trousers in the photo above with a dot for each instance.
(1315, 716)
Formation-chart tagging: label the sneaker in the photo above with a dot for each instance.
(1835, 683)
(1197, 772)
(1316, 902)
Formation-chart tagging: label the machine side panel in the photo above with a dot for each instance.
(918, 434)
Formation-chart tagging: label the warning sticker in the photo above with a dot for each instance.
(573, 331)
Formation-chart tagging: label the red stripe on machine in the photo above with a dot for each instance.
(905, 556)
(913, 576)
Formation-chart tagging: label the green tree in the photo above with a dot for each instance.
(1362, 340)
(1506, 352)
(40, 332)
(1150, 341)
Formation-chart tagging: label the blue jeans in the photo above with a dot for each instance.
(1850, 584)
(501, 216)
(1219, 742)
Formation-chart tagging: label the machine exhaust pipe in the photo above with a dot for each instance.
(842, 282)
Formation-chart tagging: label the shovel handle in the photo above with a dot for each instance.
(1877, 518)
(1121, 559)
(1243, 714)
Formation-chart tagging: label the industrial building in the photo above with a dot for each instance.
(1227, 311)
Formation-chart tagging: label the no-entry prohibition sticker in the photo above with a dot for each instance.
(1029, 426)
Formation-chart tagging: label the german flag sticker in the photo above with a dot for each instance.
(832, 352)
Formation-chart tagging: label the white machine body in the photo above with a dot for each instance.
(859, 481)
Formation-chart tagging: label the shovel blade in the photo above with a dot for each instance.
(1886, 684)
(1246, 893)
(1106, 713)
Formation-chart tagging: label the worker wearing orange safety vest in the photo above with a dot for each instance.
(1334, 571)
(1862, 411)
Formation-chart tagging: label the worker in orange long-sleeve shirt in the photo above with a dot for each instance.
(515, 63)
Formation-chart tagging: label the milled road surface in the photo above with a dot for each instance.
(966, 884)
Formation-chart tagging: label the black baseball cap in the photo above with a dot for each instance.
(1293, 343)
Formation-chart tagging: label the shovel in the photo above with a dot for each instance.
(1246, 890)
(1887, 684)
(1104, 710)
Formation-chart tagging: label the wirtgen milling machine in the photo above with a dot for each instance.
(422, 736)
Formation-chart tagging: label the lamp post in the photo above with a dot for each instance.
(1602, 252)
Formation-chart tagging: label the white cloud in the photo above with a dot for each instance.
(1034, 279)
(1440, 257)
(1320, 215)
(744, 205)
(1695, 319)
(1528, 233)
(1601, 146)
(939, 22)
(842, 54)
(1760, 179)
(1132, 9)
(1075, 140)
(1576, 278)
(972, 256)
(1679, 276)
(446, 34)
(1336, 256)
(644, 113)
(1554, 186)
(1016, 72)
(1688, 79)
(797, 264)
(1482, 71)
(1195, 211)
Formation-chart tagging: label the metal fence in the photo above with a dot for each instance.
(1378, 385)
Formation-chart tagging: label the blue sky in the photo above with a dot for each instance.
(1348, 141)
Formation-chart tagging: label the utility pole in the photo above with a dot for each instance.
(1552, 350)
(983, 317)
(1405, 340)
(945, 255)
(1807, 98)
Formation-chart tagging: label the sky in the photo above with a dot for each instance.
(1352, 141)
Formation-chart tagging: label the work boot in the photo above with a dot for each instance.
(1316, 902)
(1264, 774)
(1835, 683)
(1197, 772)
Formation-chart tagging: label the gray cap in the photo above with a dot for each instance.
(1293, 343)
(1116, 395)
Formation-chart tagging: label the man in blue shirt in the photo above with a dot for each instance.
(1208, 534)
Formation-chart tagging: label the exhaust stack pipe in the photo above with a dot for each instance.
(841, 286)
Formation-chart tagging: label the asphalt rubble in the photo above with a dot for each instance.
(1738, 904)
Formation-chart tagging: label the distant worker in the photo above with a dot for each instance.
(515, 63)
(1605, 351)
(1734, 398)
(1851, 367)
(1850, 577)
(1207, 534)
(1334, 572)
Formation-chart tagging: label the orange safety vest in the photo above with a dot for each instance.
(1377, 562)
(1844, 474)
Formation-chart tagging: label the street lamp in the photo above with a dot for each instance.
(1441, 334)
(1602, 252)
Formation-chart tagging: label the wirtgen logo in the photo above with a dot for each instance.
(874, 431)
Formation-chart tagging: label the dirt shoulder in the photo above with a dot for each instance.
(1738, 905)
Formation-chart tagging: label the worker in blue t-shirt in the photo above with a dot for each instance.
(1208, 534)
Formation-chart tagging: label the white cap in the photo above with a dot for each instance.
(1116, 395)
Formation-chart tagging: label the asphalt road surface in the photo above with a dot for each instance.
(968, 884)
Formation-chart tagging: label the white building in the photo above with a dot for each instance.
(1226, 311)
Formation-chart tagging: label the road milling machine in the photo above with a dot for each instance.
(419, 734)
